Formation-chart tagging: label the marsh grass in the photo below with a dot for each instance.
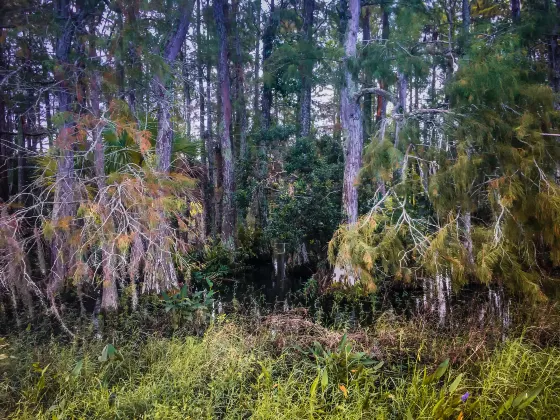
(239, 371)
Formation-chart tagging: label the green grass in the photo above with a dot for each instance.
(237, 372)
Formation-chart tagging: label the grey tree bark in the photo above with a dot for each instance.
(109, 297)
(368, 98)
(306, 69)
(554, 58)
(266, 106)
(241, 101)
(466, 15)
(257, 66)
(351, 118)
(211, 148)
(187, 93)
(170, 53)
(64, 206)
(402, 85)
(381, 101)
(207, 150)
(228, 169)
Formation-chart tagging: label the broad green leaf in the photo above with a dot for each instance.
(342, 343)
(440, 371)
(527, 397)
(110, 353)
(455, 383)
(505, 406)
(324, 379)
(442, 368)
(314, 387)
(77, 369)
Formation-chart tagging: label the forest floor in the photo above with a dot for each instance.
(284, 366)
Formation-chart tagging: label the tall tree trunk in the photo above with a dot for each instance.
(266, 106)
(170, 53)
(257, 66)
(433, 93)
(268, 39)
(64, 206)
(48, 117)
(351, 118)
(554, 58)
(163, 274)
(516, 10)
(187, 93)
(381, 102)
(402, 84)
(132, 59)
(306, 69)
(241, 102)
(240, 109)
(109, 297)
(119, 57)
(210, 144)
(20, 157)
(368, 97)
(228, 207)
(207, 152)
(466, 15)
(4, 189)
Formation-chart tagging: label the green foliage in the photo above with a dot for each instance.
(340, 367)
(215, 263)
(109, 354)
(489, 179)
(185, 308)
(232, 373)
(307, 207)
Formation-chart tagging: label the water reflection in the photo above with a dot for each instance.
(270, 288)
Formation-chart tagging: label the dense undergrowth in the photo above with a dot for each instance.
(284, 366)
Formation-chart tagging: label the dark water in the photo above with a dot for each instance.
(268, 288)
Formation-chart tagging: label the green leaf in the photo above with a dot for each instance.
(442, 368)
(440, 371)
(505, 406)
(77, 369)
(324, 379)
(342, 343)
(455, 383)
(314, 385)
(525, 398)
(110, 353)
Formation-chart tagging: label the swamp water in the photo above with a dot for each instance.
(273, 288)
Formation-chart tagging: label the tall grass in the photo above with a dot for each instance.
(233, 372)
